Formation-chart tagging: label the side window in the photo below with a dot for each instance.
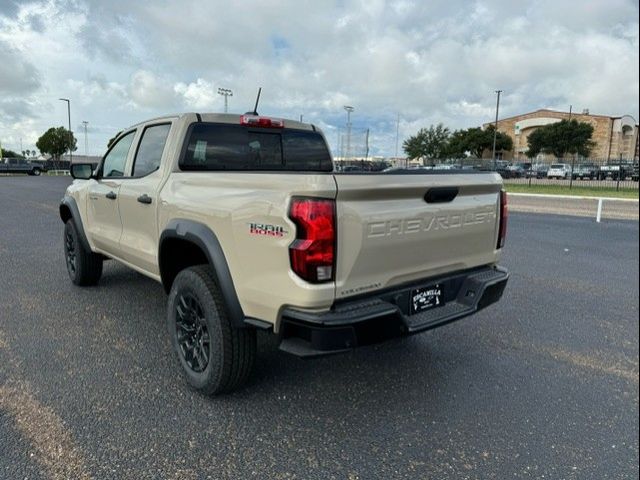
(150, 149)
(115, 160)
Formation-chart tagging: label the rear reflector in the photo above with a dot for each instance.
(504, 216)
(312, 254)
(262, 122)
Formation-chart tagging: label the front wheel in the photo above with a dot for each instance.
(215, 356)
(84, 266)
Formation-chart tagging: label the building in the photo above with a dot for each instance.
(614, 136)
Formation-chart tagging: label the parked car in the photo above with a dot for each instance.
(324, 261)
(538, 170)
(502, 167)
(519, 170)
(585, 171)
(20, 165)
(616, 170)
(559, 171)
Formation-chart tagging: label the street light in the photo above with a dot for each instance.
(349, 109)
(226, 93)
(86, 143)
(70, 133)
(495, 131)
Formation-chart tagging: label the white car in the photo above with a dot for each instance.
(559, 170)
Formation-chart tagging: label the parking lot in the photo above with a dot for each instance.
(542, 385)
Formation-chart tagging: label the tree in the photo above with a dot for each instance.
(560, 138)
(476, 141)
(56, 141)
(428, 143)
(10, 154)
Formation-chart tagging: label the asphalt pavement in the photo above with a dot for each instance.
(542, 385)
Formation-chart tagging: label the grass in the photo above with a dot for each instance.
(576, 190)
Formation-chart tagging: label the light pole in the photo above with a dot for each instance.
(226, 93)
(495, 131)
(70, 133)
(397, 135)
(349, 109)
(86, 142)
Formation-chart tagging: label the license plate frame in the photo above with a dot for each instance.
(426, 298)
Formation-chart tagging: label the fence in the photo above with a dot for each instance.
(587, 172)
(352, 143)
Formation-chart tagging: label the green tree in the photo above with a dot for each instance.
(429, 143)
(476, 140)
(56, 141)
(10, 154)
(560, 138)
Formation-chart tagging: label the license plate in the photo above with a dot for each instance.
(425, 298)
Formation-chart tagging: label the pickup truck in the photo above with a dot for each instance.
(585, 171)
(617, 170)
(18, 165)
(245, 223)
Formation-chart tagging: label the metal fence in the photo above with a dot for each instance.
(586, 172)
(352, 143)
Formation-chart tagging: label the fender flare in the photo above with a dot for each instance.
(202, 236)
(69, 202)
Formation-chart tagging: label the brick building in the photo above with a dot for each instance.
(613, 135)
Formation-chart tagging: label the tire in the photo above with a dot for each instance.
(215, 356)
(36, 172)
(84, 267)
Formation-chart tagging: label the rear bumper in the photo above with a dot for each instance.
(384, 315)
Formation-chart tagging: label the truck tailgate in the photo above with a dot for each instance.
(394, 229)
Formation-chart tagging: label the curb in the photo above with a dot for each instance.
(576, 197)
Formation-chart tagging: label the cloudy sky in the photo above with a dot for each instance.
(432, 61)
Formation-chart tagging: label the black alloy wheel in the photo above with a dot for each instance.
(70, 252)
(192, 333)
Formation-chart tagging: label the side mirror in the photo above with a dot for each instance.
(81, 171)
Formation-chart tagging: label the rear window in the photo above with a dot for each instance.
(238, 148)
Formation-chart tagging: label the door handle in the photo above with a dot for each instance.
(441, 194)
(111, 195)
(144, 198)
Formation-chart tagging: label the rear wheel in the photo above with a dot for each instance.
(215, 356)
(84, 266)
(36, 172)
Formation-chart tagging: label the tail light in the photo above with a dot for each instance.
(504, 216)
(313, 252)
(258, 121)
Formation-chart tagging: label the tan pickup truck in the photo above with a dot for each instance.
(247, 226)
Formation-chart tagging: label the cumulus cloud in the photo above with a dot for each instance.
(197, 95)
(147, 90)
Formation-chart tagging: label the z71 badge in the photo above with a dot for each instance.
(267, 230)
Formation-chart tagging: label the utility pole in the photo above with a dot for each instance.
(226, 93)
(570, 108)
(86, 143)
(397, 135)
(349, 109)
(495, 131)
(70, 132)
